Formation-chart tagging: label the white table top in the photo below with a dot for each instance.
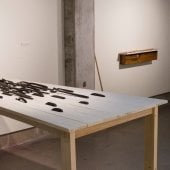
(75, 115)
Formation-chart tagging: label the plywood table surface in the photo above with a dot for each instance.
(79, 120)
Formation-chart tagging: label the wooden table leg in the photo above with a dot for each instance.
(68, 151)
(151, 140)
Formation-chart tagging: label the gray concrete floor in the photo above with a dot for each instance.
(117, 148)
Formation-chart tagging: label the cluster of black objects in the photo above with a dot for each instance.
(25, 90)
(56, 109)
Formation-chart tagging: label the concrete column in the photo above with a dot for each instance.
(79, 43)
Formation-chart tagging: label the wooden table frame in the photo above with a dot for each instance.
(67, 139)
(151, 137)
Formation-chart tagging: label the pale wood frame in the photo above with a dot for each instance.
(68, 151)
(151, 140)
(68, 139)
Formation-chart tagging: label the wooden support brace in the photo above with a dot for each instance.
(151, 138)
(68, 151)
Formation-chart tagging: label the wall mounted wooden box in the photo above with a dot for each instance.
(138, 57)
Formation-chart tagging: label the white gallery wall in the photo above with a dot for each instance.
(30, 45)
(128, 25)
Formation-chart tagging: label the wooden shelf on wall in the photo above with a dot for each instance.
(138, 57)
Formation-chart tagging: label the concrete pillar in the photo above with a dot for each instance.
(79, 43)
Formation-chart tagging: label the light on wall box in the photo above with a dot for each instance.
(138, 57)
